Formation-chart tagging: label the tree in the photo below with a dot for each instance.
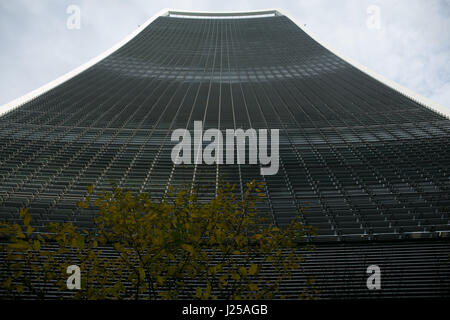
(142, 248)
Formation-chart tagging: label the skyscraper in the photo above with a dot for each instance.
(368, 163)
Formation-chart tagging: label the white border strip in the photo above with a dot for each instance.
(166, 12)
(35, 93)
(223, 13)
(221, 17)
(441, 110)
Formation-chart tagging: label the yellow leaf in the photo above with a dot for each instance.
(19, 245)
(23, 212)
(198, 292)
(188, 248)
(83, 205)
(253, 287)
(253, 269)
(26, 219)
(141, 273)
(30, 230)
(36, 245)
(207, 292)
(242, 271)
(7, 283)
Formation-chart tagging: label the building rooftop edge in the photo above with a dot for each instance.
(167, 12)
(223, 13)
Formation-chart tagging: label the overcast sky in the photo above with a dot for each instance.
(407, 41)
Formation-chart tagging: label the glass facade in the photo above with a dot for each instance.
(363, 160)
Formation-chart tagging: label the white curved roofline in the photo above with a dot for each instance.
(166, 12)
(223, 13)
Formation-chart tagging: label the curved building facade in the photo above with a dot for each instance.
(369, 165)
